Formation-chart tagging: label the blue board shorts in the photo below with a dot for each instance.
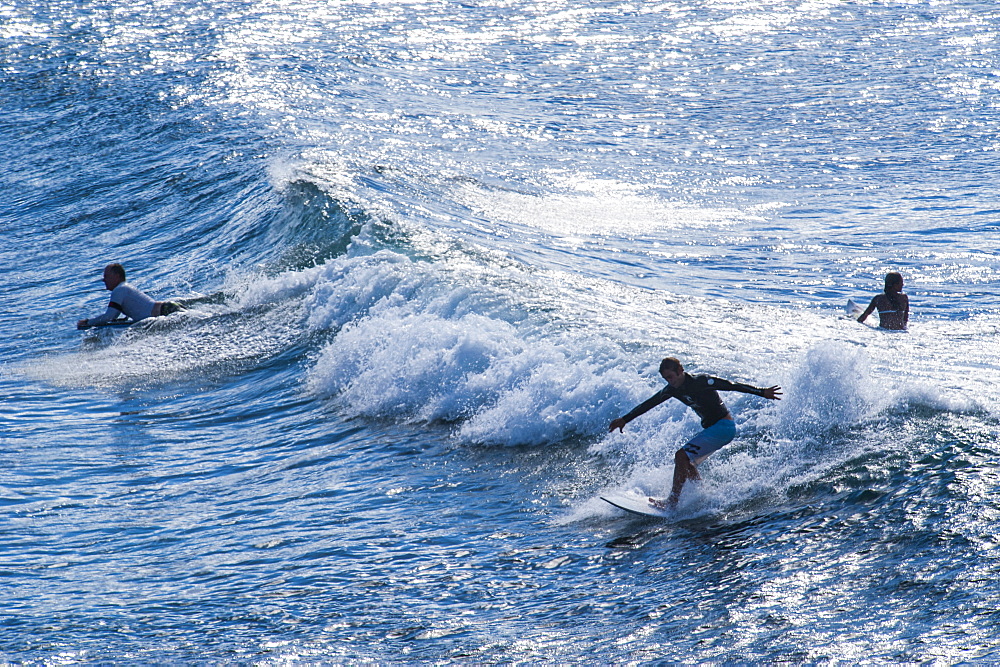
(711, 440)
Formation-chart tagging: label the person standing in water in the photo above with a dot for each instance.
(893, 306)
(700, 393)
(127, 300)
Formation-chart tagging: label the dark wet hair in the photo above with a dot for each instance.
(117, 269)
(671, 363)
(892, 279)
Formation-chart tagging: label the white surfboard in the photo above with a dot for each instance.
(852, 309)
(635, 505)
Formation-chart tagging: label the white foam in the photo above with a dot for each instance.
(832, 384)
(502, 355)
(413, 345)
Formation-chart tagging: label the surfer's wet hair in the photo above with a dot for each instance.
(892, 281)
(116, 269)
(672, 364)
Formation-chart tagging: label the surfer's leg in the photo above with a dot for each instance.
(169, 308)
(684, 470)
(710, 440)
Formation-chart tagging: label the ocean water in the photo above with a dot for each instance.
(431, 250)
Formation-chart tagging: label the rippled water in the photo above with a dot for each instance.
(432, 250)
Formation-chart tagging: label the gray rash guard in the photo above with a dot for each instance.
(128, 300)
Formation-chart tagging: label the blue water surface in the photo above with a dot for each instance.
(429, 251)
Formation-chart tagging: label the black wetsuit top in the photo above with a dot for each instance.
(700, 393)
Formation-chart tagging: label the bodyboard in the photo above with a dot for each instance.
(113, 323)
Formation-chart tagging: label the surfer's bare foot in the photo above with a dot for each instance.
(661, 504)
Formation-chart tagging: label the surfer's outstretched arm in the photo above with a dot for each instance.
(868, 311)
(642, 408)
(109, 315)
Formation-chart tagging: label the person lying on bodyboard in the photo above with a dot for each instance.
(127, 301)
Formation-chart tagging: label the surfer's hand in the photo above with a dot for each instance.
(773, 393)
(618, 424)
(82, 324)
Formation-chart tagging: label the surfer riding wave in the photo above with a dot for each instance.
(700, 393)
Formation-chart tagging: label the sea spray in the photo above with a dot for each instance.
(410, 346)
